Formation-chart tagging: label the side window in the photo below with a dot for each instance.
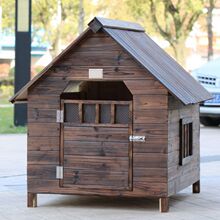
(186, 140)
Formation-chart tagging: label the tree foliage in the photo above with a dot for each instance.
(210, 4)
(56, 19)
(173, 19)
(8, 15)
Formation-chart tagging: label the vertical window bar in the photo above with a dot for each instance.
(191, 139)
(80, 113)
(183, 141)
(188, 145)
(97, 113)
(186, 139)
(112, 113)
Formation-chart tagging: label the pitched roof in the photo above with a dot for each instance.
(145, 51)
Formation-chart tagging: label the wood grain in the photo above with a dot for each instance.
(100, 154)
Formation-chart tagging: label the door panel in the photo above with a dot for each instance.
(95, 134)
(93, 178)
(96, 149)
(102, 148)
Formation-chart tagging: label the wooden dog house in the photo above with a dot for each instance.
(113, 115)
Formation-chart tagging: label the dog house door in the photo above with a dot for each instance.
(96, 152)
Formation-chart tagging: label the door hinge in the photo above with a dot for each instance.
(137, 138)
(60, 116)
(59, 172)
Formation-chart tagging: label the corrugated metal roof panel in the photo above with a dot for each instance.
(161, 65)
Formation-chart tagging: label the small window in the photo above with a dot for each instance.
(105, 113)
(186, 140)
(89, 113)
(122, 114)
(71, 113)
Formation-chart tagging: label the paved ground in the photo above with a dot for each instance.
(185, 205)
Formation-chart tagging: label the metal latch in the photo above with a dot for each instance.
(59, 172)
(60, 116)
(137, 138)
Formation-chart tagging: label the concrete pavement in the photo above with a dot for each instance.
(184, 205)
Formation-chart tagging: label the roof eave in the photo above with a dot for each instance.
(19, 101)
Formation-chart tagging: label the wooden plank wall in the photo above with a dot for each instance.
(179, 177)
(149, 109)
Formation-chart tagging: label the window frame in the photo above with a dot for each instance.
(98, 103)
(186, 140)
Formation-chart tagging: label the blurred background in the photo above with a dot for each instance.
(188, 30)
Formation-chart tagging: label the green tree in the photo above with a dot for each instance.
(60, 20)
(172, 19)
(8, 15)
(56, 19)
(210, 4)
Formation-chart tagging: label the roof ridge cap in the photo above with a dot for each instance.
(99, 22)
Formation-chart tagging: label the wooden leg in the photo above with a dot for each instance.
(32, 200)
(196, 187)
(164, 204)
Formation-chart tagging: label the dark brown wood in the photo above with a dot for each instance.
(52, 186)
(43, 143)
(95, 179)
(43, 129)
(61, 153)
(196, 187)
(43, 157)
(164, 204)
(97, 102)
(110, 72)
(119, 134)
(180, 177)
(151, 116)
(145, 86)
(97, 157)
(82, 161)
(31, 200)
(130, 145)
(88, 148)
(44, 171)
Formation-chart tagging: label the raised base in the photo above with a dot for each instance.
(196, 187)
(32, 200)
(164, 204)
